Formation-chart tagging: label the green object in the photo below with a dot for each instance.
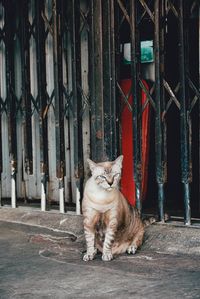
(146, 52)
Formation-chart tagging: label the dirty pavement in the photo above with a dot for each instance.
(38, 262)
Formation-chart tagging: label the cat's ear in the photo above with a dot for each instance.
(92, 164)
(119, 160)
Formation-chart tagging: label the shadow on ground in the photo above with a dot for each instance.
(40, 263)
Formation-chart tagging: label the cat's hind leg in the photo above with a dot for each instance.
(137, 242)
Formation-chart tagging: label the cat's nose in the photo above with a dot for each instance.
(110, 183)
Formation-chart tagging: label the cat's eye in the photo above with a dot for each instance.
(117, 174)
(102, 177)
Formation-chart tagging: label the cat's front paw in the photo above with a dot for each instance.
(89, 255)
(107, 256)
(131, 249)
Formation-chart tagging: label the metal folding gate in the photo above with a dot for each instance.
(60, 94)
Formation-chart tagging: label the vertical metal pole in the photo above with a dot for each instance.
(1, 97)
(84, 45)
(96, 79)
(25, 59)
(42, 97)
(114, 116)
(109, 80)
(9, 25)
(158, 122)
(183, 118)
(135, 107)
(1, 161)
(57, 54)
(199, 105)
(77, 104)
(13, 184)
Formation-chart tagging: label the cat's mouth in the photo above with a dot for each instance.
(110, 188)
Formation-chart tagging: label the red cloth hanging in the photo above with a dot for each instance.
(127, 180)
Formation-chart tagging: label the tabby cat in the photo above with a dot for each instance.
(111, 225)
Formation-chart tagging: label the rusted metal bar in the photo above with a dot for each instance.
(96, 79)
(183, 116)
(199, 102)
(1, 160)
(115, 115)
(77, 103)
(84, 88)
(109, 80)
(1, 99)
(42, 98)
(25, 63)
(136, 105)
(162, 89)
(59, 115)
(2, 88)
(159, 138)
(9, 44)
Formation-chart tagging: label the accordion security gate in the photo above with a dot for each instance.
(61, 100)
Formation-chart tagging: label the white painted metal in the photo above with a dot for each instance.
(34, 180)
(0, 195)
(20, 182)
(6, 172)
(53, 181)
(43, 198)
(78, 202)
(61, 200)
(13, 186)
(66, 127)
(71, 119)
(34, 186)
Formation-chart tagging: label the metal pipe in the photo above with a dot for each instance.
(183, 117)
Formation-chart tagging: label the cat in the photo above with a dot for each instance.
(111, 225)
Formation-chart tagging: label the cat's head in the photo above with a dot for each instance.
(107, 174)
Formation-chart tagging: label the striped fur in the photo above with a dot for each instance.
(110, 224)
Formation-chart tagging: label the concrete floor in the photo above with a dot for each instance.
(38, 263)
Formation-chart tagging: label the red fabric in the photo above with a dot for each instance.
(127, 181)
